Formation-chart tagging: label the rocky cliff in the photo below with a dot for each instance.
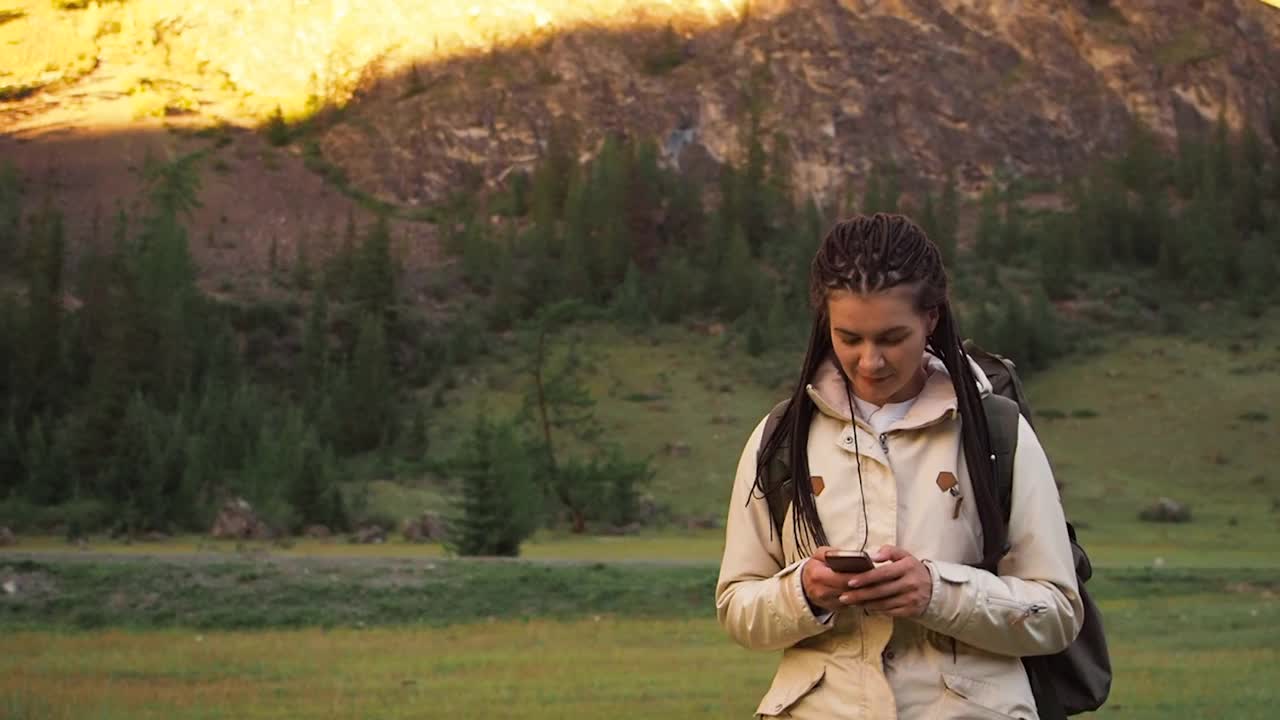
(437, 102)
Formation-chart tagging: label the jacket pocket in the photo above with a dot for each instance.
(789, 686)
(969, 699)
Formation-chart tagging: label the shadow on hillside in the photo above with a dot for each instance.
(930, 91)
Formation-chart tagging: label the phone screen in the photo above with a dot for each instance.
(849, 561)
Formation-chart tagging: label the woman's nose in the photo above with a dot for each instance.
(870, 362)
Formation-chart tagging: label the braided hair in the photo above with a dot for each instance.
(864, 255)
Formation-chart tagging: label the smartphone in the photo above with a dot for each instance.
(849, 561)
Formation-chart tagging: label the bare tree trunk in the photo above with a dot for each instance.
(579, 517)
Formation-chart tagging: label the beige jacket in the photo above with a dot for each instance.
(961, 658)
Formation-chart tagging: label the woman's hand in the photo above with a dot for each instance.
(822, 585)
(901, 587)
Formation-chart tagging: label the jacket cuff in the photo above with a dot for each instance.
(794, 603)
(952, 603)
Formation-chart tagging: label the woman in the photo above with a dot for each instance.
(927, 633)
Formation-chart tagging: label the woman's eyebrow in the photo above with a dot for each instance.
(882, 333)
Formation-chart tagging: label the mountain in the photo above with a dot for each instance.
(408, 105)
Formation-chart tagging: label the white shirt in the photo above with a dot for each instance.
(881, 417)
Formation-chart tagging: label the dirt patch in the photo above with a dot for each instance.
(1247, 588)
(253, 196)
(26, 586)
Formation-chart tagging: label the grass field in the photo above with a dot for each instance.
(618, 627)
(1187, 648)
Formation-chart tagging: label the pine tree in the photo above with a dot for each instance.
(1056, 255)
(929, 223)
(1011, 225)
(48, 461)
(949, 221)
(1012, 337)
(1222, 158)
(315, 346)
(1249, 200)
(756, 343)
(752, 202)
(551, 179)
(41, 350)
(497, 505)
(680, 287)
(164, 275)
(576, 260)
(1142, 165)
(507, 305)
(1258, 271)
(1044, 338)
(477, 249)
(737, 277)
(1200, 247)
(340, 268)
(373, 281)
(989, 230)
(10, 212)
(1152, 225)
(366, 395)
(630, 302)
(644, 202)
(417, 438)
(892, 189)
(1189, 165)
(606, 214)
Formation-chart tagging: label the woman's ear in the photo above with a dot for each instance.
(932, 320)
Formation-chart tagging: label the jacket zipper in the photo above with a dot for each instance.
(1025, 610)
(884, 443)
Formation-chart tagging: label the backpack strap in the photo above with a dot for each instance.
(1002, 374)
(777, 474)
(1002, 427)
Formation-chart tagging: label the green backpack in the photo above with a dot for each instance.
(1073, 681)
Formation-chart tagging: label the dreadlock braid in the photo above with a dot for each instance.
(863, 255)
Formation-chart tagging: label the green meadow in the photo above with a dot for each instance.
(622, 626)
(628, 642)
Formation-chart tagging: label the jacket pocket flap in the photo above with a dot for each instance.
(980, 698)
(967, 688)
(788, 687)
(952, 572)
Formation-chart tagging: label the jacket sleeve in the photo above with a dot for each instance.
(759, 601)
(1033, 606)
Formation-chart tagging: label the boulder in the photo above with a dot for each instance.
(704, 522)
(628, 529)
(369, 534)
(1166, 510)
(319, 532)
(678, 449)
(6, 537)
(428, 527)
(237, 521)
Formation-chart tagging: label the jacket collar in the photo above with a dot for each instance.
(935, 401)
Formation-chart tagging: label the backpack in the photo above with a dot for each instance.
(1073, 681)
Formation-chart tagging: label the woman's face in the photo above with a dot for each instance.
(880, 339)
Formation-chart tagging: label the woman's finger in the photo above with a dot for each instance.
(879, 592)
(884, 573)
